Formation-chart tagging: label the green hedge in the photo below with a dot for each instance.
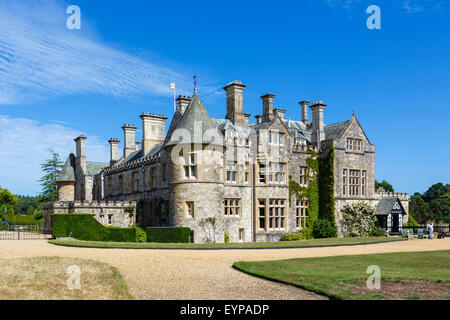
(86, 227)
(168, 235)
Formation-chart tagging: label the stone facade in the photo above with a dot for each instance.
(228, 169)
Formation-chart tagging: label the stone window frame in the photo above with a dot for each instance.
(300, 214)
(363, 182)
(262, 213)
(354, 182)
(276, 138)
(231, 172)
(276, 214)
(302, 176)
(136, 180)
(110, 220)
(190, 166)
(262, 173)
(354, 145)
(153, 178)
(344, 180)
(109, 186)
(190, 209)
(247, 172)
(120, 184)
(232, 207)
(241, 235)
(277, 173)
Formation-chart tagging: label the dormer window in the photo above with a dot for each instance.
(276, 138)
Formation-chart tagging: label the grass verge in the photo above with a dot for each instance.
(252, 245)
(45, 278)
(412, 275)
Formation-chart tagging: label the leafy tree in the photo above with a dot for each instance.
(419, 209)
(436, 191)
(52, 168)
(26, 205)
(7, 198)
(385, 185)
(440, 209)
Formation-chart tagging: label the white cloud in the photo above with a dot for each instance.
(25, 144)
(41, 58)
(408, 6)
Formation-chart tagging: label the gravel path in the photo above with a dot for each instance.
(203, 275)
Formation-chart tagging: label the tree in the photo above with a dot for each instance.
(52, 168)
(440, 209)
(419, 209)
(436, 191)
(385, 185)
(7, 198)
(208, 227)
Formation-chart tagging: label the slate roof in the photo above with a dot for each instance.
(68, 171)
(334, 131)
(94, 168)
(385, 205)
(195, 114)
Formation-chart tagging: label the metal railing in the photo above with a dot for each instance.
(23, 232)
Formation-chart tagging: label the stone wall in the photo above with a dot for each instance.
(115, 209)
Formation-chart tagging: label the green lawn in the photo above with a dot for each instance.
(253, 245)
(414, 275)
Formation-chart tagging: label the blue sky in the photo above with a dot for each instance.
(57, 83)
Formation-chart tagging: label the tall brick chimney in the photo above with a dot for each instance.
(153, 131)
(235, 103)
(183, 103)
(114, 150)
(305, 105)
(80, 143)
(318, 132)
(267, 107)
(129, 134)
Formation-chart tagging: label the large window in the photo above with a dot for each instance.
(277, 212)
(232, 207)
(231, 172)
(344, 182)
(110, 188)
(353, 183)
(190, 167)
(153, 177)
(120, 184)
(354, 144)
(276, 138)
(300, 214)
(276, 172)
(262, 214)
(247, 172)
(363, 183)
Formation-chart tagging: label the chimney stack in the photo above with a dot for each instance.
(81, 152)
(268, 107)
(280, 112)
(153, 131)
(318, 132)
(129, 133)
(114, 151)
(235, 103)
(183, 103)
(305, 105)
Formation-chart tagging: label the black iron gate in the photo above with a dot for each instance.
(23, 232)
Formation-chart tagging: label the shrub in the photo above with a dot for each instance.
(303, 234)
(227, 238)
(86, 227)
(358, 219)
(411, 222)
(378, 232)
(168, 235)
(324, 229)
(142, 235)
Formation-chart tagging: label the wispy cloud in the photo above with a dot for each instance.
(25, 144)
(41, 58)
(408, 6)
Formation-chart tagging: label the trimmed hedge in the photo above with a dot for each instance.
(168, 235)
(86, 227)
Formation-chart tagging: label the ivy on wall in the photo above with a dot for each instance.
(319, 191)
(326, 186)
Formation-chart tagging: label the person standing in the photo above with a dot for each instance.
(430, 230)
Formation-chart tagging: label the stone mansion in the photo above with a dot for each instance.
(232, 169)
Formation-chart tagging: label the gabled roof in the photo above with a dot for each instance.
(335, 131)
(195, 115)
(68, 171)
(94, 168)
(386, 204)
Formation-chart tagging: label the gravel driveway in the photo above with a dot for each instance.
(204, 275)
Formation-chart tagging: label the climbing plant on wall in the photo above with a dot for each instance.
(310, 192)
(326, 186)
